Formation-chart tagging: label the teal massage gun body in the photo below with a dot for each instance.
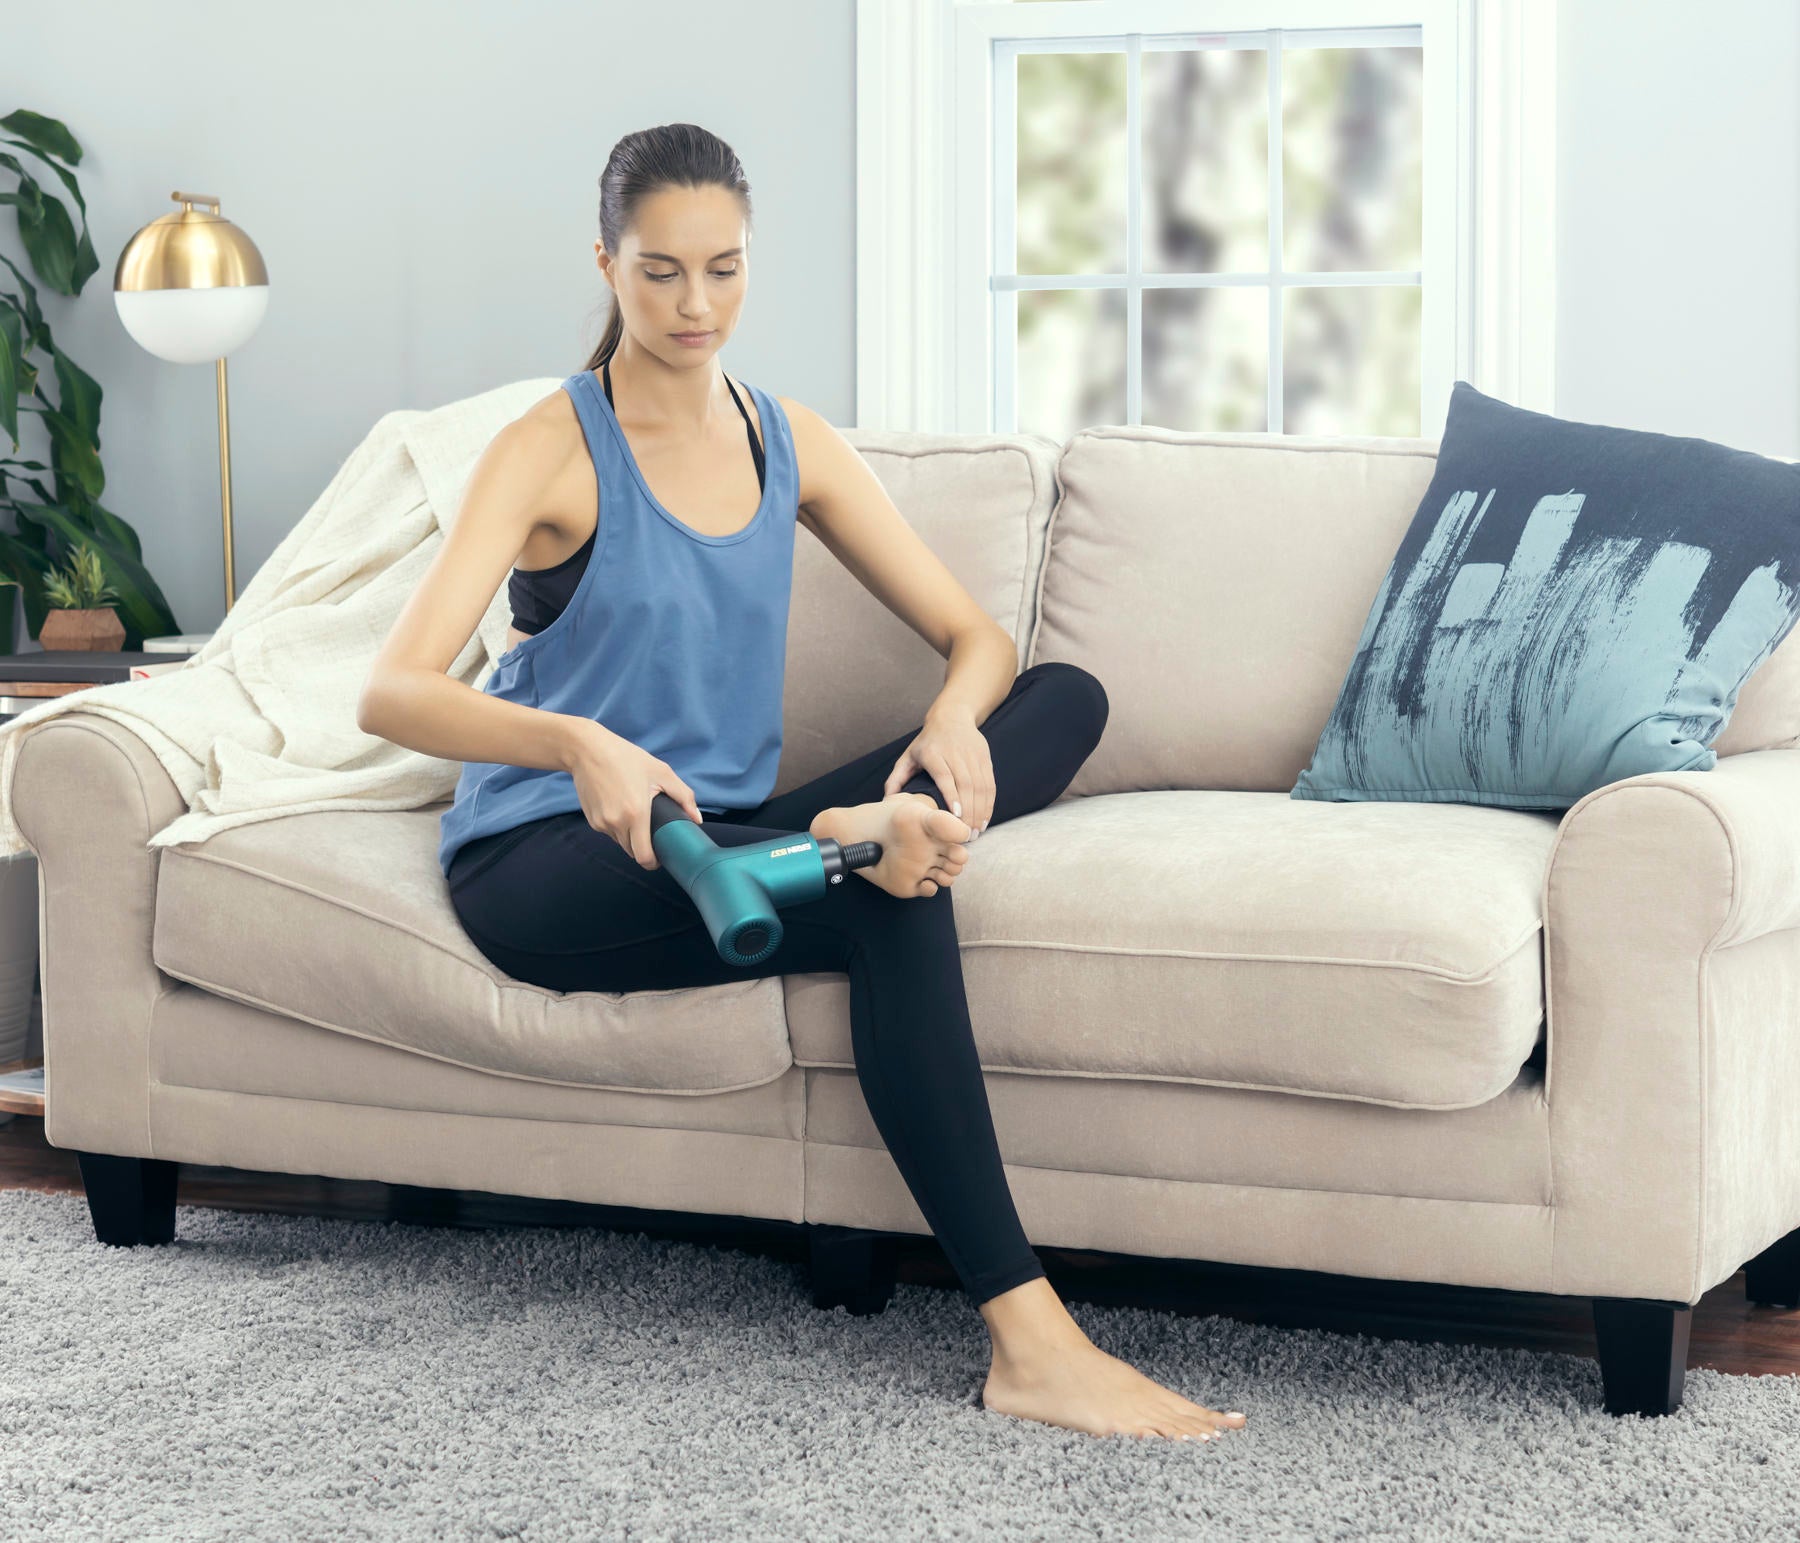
(738, 889)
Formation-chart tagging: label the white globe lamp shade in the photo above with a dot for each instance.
(192, 326)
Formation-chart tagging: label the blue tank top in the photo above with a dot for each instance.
(538, 595)
(674, 640)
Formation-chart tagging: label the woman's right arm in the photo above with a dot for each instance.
(411, 699)
(409, 696)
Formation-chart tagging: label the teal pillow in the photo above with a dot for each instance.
(1572, 604)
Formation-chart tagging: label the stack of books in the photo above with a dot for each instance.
(26, 679)
(22, 1092)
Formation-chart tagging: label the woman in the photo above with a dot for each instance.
(651, 658)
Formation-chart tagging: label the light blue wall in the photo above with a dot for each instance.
(422, 178)
(423, 181)
(1678, 218)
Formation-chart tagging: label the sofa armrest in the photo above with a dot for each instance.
(87, 795)
(1672, 981)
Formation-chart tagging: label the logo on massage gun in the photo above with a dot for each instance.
(804, 846)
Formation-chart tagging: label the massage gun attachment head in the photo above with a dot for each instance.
(839, 859)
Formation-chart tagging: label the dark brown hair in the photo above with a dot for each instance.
(645, 162)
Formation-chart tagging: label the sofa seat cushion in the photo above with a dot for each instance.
(1385, 952)
(342, 919)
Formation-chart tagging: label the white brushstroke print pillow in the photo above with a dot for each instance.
(1572, 604)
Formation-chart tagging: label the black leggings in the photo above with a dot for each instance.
(562, 905)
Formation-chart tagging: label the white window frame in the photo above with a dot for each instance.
(927, 305)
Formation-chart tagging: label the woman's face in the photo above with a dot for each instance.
(683, 267)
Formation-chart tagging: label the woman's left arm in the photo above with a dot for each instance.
(843, 503)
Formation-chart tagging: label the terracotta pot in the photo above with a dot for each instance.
(95, 627)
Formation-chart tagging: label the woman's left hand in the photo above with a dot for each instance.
(954, 751)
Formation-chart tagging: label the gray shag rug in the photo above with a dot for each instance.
(294, 1378)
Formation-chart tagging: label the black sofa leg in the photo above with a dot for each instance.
(417, 1206)
(1643, 1353)
(1772, 1278)
(131, 1199)
(852, 1268)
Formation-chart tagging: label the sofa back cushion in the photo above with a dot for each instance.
(858, 676)
(1216, 585)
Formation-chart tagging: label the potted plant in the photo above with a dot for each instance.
(55, 515)
(82, 615)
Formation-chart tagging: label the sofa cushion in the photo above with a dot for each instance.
(858, 676)
(1383, 952)
(1573, 604)
(342, 919)
(1216, 585)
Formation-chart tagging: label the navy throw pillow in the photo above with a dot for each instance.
(1572, 604)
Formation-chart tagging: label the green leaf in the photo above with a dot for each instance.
(46, 135)
(28, 567)
(75, 454)
(85, 260)
(45, 496)
(81, 395)
(51, 245)
(35, 537)
(12, 349)
(9, 610)
(64, 175)
(115, 530)
(46, 230)
(34, 317)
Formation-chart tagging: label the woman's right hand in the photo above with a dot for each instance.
(616, 780)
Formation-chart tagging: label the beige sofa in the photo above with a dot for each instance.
(1489, 1047)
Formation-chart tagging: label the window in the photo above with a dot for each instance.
(1311, 218)
(1267, 273)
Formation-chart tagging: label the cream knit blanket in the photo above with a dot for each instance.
(261, 722)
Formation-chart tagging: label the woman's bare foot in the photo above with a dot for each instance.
(922, 846)
(1045, 1368)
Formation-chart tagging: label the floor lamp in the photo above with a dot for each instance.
(190, 287)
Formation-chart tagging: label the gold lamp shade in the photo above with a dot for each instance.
(192, 287)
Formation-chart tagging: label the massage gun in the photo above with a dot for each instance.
(738, 889)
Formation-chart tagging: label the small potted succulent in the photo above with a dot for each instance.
(81, 616)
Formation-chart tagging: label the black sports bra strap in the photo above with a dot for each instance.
(756, 449)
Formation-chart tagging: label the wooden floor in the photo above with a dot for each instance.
(1728, 1334)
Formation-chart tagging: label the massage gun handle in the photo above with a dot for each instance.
(663, 809)
(838, 860)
